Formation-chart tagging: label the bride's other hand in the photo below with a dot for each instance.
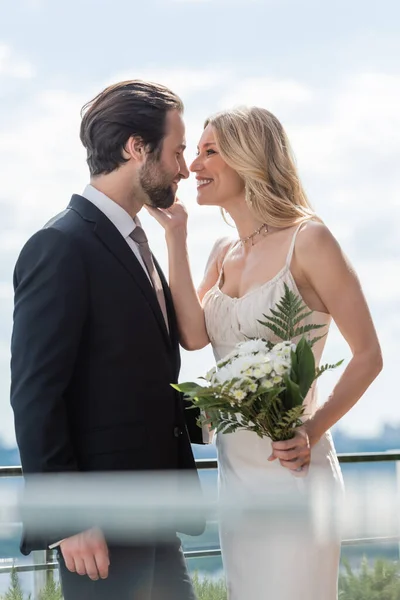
(293, 454)
(172, 219)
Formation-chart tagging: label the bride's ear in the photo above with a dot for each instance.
(135, 149)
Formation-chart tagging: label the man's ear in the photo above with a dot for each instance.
(135, 149)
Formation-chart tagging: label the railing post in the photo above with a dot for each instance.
(398, 499)
(39, 577)
(49, 572)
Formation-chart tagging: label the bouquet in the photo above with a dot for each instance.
(261, 386)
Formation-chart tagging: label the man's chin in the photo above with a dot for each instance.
(165, 202)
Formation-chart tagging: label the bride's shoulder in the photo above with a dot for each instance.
(316, 247)
(214, 264)
(313, 236)
(219, 251)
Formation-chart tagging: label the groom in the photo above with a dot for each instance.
(95, 340)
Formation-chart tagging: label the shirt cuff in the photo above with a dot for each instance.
(56, 544)
(206, 434)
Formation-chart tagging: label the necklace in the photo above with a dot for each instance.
(246, 239)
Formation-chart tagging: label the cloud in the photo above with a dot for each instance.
(13, 66)
(182, 81)
(384, 286)
(45, 148)
(362, 120)
(280, 96)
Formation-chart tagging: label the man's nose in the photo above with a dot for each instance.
(184, 172)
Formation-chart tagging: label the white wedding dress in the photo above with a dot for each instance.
(277, 555)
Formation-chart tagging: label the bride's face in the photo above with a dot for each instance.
(217, 183)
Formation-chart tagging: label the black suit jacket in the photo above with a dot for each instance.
(92, 360)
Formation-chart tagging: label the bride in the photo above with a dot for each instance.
(244, 165)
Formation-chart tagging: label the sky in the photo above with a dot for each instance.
(330, 71)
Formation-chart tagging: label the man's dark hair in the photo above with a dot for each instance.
(130, 108)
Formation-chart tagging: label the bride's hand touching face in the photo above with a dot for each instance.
(172, 219)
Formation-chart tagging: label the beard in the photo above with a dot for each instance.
(157, 185)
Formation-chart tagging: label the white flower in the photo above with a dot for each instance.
(224, 374)
(252, 346)
(253, 387)
(281, 367)
(258, 373)
(283, 350)
(277, 379)
(266, 367)
(285, 345)
(241, 365)
(267, 384)
(241, 383)
(239, 395)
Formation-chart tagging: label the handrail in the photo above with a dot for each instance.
(51, 565)
(343, 457)
(212, 463)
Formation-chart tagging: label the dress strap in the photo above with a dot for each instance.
(291, 249)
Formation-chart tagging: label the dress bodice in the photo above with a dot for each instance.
(233, 320)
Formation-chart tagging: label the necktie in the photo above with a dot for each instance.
(140, 238)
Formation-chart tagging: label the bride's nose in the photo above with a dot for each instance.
(196, 165)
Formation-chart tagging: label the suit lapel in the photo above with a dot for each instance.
(113, 240)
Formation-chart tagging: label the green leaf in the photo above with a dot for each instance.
(294, 373)
(306, 329)
(323, 368)
(306, 366)
(280, 333)
(287, 314)
(187, 387)
(292, 394)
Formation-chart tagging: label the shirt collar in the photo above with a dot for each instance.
(113, 211)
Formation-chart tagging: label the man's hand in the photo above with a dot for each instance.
(86, 554)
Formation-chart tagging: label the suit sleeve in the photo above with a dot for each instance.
(50, 309)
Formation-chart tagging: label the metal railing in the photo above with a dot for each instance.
(212, 464)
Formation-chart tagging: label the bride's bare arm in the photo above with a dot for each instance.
(187, 301)
(335, 282)
(334, 287)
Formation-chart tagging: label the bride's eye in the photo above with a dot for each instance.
(209, 152)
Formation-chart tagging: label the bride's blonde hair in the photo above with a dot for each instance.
(253, 142)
